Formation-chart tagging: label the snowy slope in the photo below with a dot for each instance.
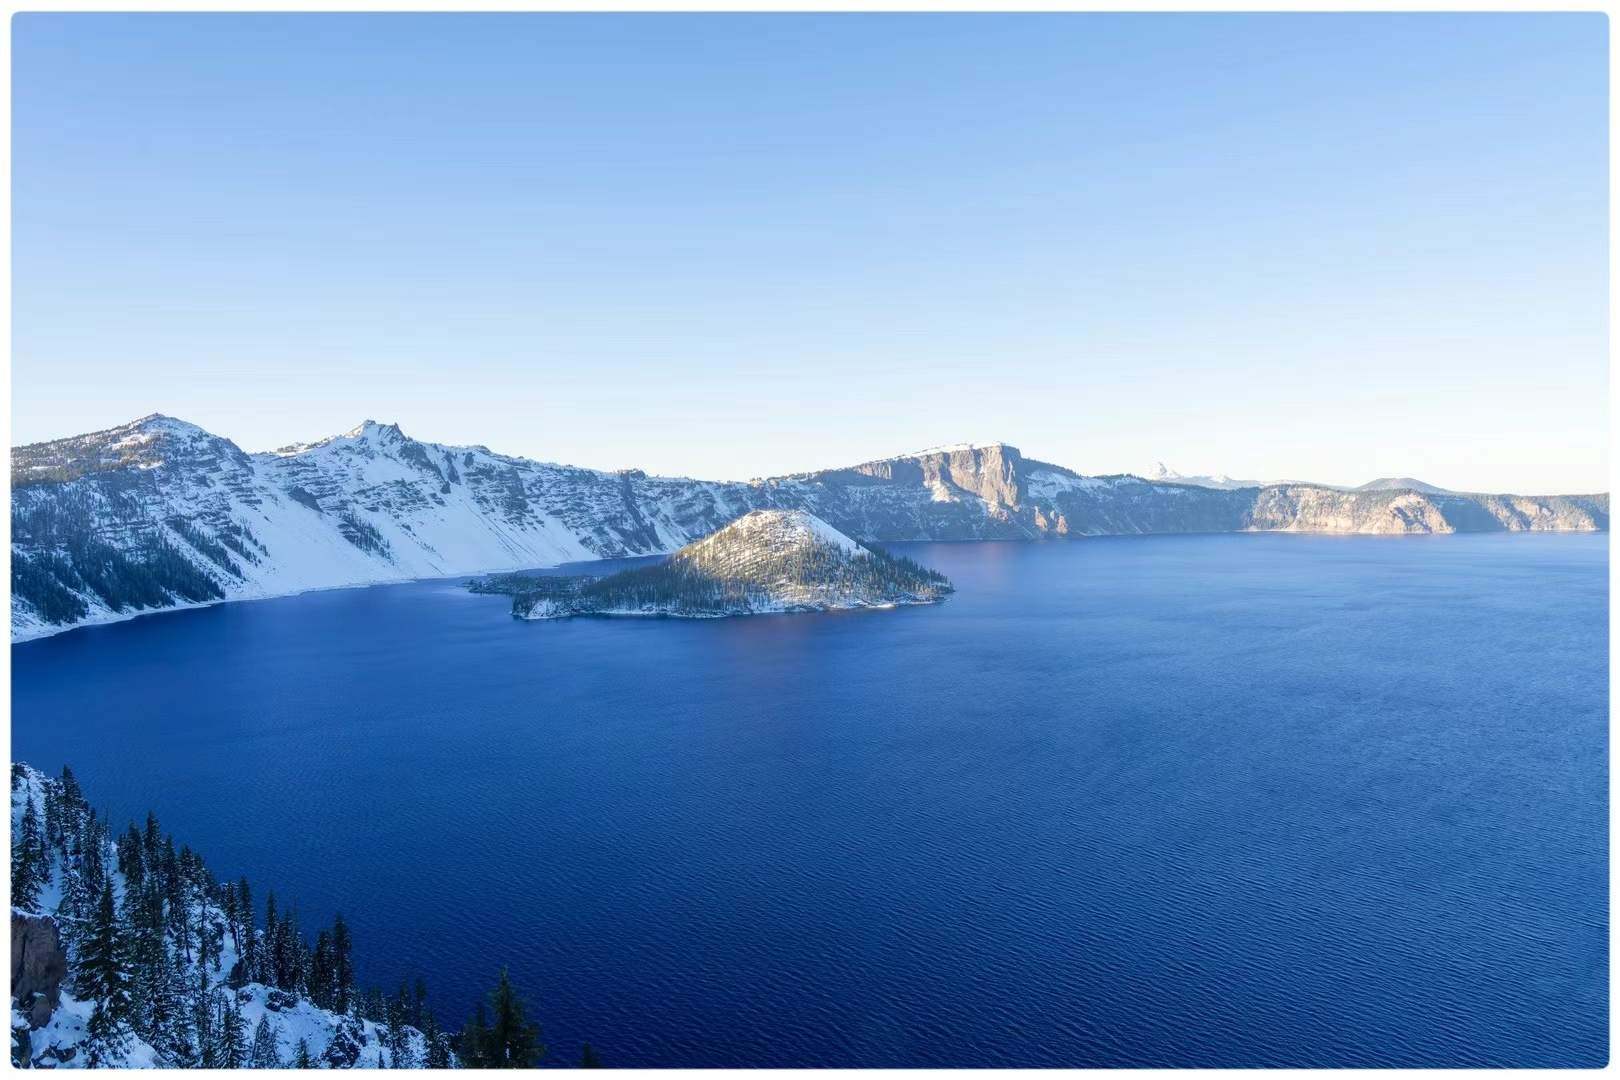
(766, 533)
(160, 513)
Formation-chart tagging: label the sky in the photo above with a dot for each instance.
(1328, 247)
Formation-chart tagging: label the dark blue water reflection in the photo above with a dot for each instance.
(1242, 800)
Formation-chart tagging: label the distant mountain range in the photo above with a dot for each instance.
(158, 512)
(1221, 482)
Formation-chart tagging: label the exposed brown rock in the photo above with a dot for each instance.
(38, 966)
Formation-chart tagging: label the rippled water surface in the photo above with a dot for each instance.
(1233, 800)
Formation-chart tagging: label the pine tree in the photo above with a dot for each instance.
(163, 1002)
(438, 1044)
(175, 899)
(342, 964)
(106, 1040)
(146, 955)
(205, 1041)
(72, 797)
(130, 861)
(511, 1042)
(514, 1037)
(399, 1043)
(321, 974)
(269, 954)
(152, 841)
(29, 866)
(233, 921)
(301, 1056)
(250, 944)
(474, 1035)
(263, 1053)
(103, 977)
(591, 1061)
(231, 1036)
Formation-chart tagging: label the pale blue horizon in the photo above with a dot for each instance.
(1274, 246)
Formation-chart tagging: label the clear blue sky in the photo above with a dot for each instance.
(1332, 247)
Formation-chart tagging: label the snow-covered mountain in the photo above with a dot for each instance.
(765, 561)
(158, 513)
(1161, 473)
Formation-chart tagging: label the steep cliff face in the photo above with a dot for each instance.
(158, 513)
(38, 966)
(989, 472)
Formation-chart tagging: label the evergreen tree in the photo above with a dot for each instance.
(438, 1045)
(30, 868)
(168, 1026)
(511, 1041)
(322, 977)
(301, 1056)
(291, 975)
(342, 964)
(399, 1043)
(269, 954)
(230, 1036)
(205, 1041)
(131, 862)
(152, 841)
(591, 1061)
(102, 971)
(103, 977)
(176, 904)
(471, 1054)
(512, 1036)
(106, 1039)
(250, 945)
(72, 797)
(146, 957)
(233, 921)
(263, 1053)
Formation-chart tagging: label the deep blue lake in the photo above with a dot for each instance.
(1184, 801)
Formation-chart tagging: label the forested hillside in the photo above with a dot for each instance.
(127, 952)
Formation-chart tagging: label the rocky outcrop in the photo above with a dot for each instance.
(38, 966)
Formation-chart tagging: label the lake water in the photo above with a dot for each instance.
(1195, 801)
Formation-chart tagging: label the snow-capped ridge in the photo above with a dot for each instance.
(1163, 474)
(779, 530)
(159, 513)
